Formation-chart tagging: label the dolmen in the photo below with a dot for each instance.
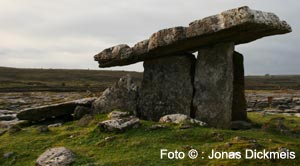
(208, 87)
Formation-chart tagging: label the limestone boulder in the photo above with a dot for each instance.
(56, 156)
(122, 95)
(166, 87)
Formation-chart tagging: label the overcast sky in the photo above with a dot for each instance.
(67, 33)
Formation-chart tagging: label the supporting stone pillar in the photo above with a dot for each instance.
(214, 85)
(239, 101)
(167, 86)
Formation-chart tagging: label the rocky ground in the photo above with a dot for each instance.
(285, 102)
(102, 139)
(16, 101)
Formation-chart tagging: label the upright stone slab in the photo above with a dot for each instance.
(239, 101)
(214, 85)
(167, 86)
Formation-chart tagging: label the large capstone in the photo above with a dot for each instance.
(239, 101)
(239, 25)
(122, 95)
(214, 85)
(167, 86)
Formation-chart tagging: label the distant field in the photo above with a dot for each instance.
(16, 80)
(273, 82)
(13, 79)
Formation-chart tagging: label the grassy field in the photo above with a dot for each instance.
(13, 79)
(141, 146)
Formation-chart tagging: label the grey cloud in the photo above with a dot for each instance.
(67, 33)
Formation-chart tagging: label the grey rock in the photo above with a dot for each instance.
(173, 118)
(283, 107)
(119, 125)
(8, 154)
(43, 129)
(181, 119)
(14, 129)
(117, 114)
(239, 101)
(85, 120)
(213, 95)
(53, 110)
(274, 111)
(157, 126)
(240, 125)
(80, 111)
(262, 104)
(290, 111)
(55, 125)
(2, 132)
(5, 112)
(297, 115)
(7, 117)
(297, 108)
(59, 156)
(166, 87)
(15, 122)
(122, 95)
(239, 25)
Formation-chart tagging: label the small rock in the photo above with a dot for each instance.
(7, 117)
(71, 128)
(2, 132)
(43, 129)
(85, 120)
(297, 108)
(8, 154)
(274, 111)
(56, 156)
(5, 112)
(217, 136)
(185, 126)
(198, 122)
(297, 115)
(55, 125)
(181, 118)
(290, 111)
(117, 114)
(80, 111)
(282, 149)
(240, 125)
(119, 124)
(283, 107)
(228, 144)
(14, 129)
(238, 138)
(157, 126)
(173, 118)
(109, 138)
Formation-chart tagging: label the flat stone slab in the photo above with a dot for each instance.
(239, 25)
(53, 110)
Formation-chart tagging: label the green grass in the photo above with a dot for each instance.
(142, 146)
